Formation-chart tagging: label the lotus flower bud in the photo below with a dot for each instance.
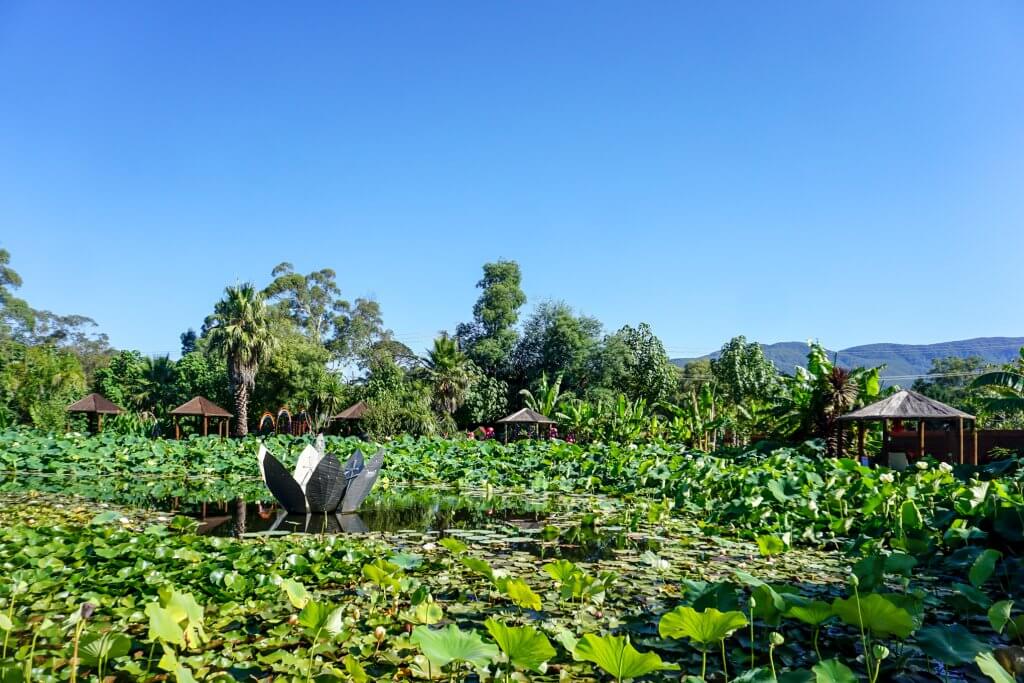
(776, 639)
(379, 633)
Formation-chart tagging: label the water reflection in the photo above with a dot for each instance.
(389, 511)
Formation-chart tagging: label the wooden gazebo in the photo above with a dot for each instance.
(200, 406)
(350, 417)
(525, 417)
(98, 405)
(910, 406)
(353, 412)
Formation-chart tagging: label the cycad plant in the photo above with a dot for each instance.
(241, 329)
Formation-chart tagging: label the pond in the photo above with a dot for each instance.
(539, 524)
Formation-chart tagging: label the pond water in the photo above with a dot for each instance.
(540, 524)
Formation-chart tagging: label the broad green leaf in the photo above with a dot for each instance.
(313, 615)
(878, 614)
(910, 516)
(5, 623)
(975, 597)
(453, 545)
(406, 560)
(103, 647)
(952, 644)
(355, 670)
(383, 573)
(900, 563)
(296, 592)
(477, 565)
(999, 614)
(526, 647)
(163, 626)
(983, 567)
(443, 646)
(335, 621)
(427, 612)
(770, 545)
(813, 613)
(703, 628)
(187, 612)
(616, 656)
(991, 667)
(561, 570)
(169, 662)
(522, 595)
(833, 671)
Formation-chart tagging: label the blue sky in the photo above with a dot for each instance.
(779, 170)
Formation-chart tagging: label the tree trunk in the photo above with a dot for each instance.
(241, 390)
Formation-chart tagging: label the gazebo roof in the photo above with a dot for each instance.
(200, 405)
(353, 412)
(95, 403)
(907, 405)
(526, 416)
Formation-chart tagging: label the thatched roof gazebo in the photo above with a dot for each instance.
(98, 405)
(526, 416)
(910, 406)
(200, 406)
(353, 412)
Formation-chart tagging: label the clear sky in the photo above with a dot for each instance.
(847, 171)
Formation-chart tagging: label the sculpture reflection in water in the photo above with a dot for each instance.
(321, 485)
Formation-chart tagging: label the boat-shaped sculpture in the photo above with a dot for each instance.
(320, 483)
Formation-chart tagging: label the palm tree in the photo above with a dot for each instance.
(450, 372)
(157, 384)
(241, 329)
(1003, 389)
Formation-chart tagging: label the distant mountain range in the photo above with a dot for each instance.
(899, 359)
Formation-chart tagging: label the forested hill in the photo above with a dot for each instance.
(899, 359)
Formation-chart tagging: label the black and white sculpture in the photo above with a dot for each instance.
(320, 484)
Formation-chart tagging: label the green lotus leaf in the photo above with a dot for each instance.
(520, 593)
(704, 628)
(983, 567)
(478, 566)
(526, 647)
(813, 613)
(561, 570)
(910, 516)
(96, 648)
(770, 545)
(443, 646)
(616, 656)
(453, 545)
(991, 667)
(952, 644)
(876, 613)
(163, 626)
(296, 592)
(999, 614)
(833, 671)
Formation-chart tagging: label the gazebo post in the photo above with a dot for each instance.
(206, 426)
(884, 453)
(974, 433)
(920, 438)
(860, 440)
(177, 429)
(960, 438)
(99, 423)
